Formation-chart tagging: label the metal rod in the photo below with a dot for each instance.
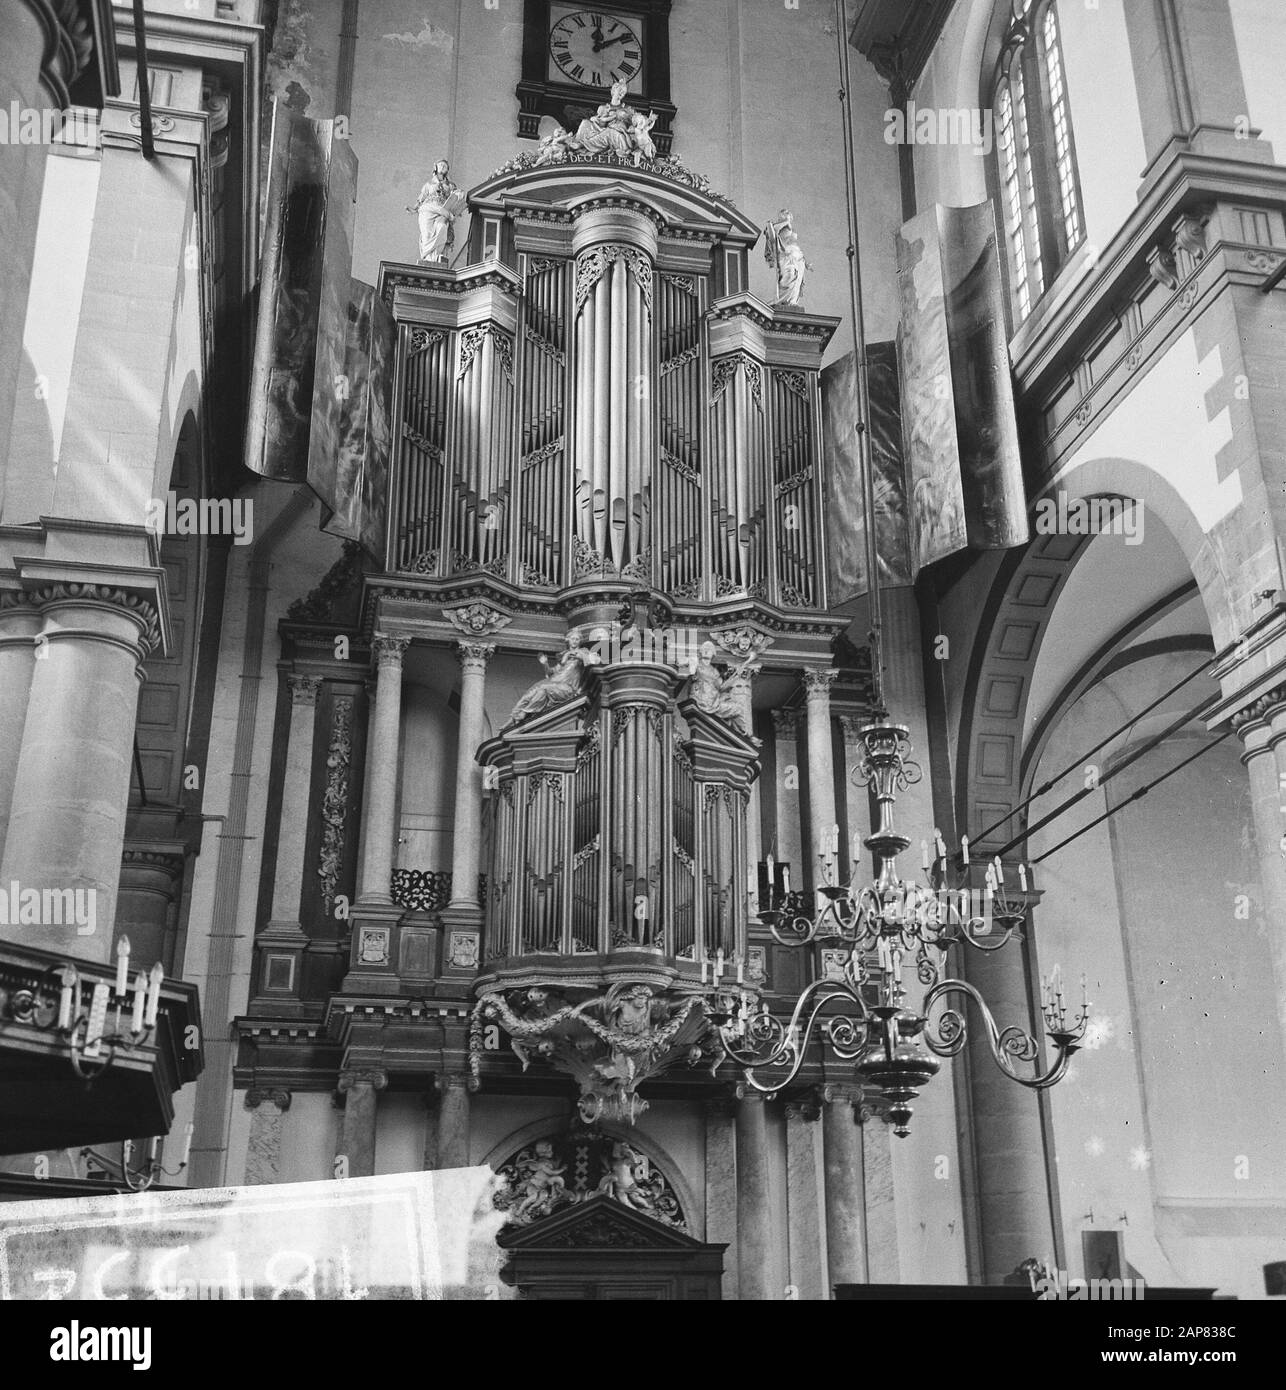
(1142, 791)
(859, 351)
(1125, 762)
(1098, 747)
(144, 83)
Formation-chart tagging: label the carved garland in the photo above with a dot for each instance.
(591, 265)
(335, 799)
(722, 371)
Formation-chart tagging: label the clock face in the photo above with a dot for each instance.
(595, 48)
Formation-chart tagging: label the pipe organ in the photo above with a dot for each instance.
(594, 417)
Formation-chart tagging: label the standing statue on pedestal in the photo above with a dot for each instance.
(783, 252)
(565, 681)
(437, 207)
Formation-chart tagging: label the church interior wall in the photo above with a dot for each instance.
(1259, 27)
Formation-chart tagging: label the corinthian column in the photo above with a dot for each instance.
(384, 756)
(357, 1133)
(821, 773)
(467, 835)
(754, 1219)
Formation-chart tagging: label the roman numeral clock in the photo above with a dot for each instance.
(572, 54)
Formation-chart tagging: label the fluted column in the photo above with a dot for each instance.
(19, 625)
(293, 835)
(453, 1122)
(789, 815)
(1264, 737)
(739, 685)
(754, 1217)
(803, 1201)
(268, 1108)
(67, 815)
(467, 834)
(384, 753)
(844, 1187)
(357, 1133)
(821, 773)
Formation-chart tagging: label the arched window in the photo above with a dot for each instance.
(1039, 192)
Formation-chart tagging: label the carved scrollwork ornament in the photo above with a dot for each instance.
(477, 619)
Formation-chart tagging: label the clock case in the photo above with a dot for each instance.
(569, 102)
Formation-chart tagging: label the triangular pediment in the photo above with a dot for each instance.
(601, 1223)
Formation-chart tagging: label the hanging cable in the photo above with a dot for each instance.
(860, 366)
(1132, 757)
(1142, 791)
(1098, 747)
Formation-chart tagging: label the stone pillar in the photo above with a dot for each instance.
(148, 904)
(453, 1121)
(379, 831)
(754, 1214)
(295, 788)
(263, 1156)
(1187, 71)
(721, 1186)
(843, 1178)
(37, 62)
(882, 1260)
(789, 817)
(1263, 733)
(67, 815)
(430, 1162)
(803, 1201)
(739, 685)
(821, 776)
(1013, 1190)
(466, 835)
(19, 625)
(357, 1133)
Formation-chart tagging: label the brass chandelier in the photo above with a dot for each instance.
(890, 926)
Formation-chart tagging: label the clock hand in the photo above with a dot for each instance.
(607, 43)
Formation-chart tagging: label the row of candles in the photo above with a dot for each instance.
(995, 875)
(145, 1004)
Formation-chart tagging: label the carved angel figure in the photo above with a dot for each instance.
(783, 252)
(540, 1182)
(555, 146)
(565, 681)
(640, 132)
(622, 1178)
(709, 692)
(437, 207)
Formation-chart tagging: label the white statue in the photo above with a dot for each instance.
(564, 682)
(710, 691)
(437, 207)
(782, 251)
(539, 1181)
(555, 146)
(640, 132)
(607, 130)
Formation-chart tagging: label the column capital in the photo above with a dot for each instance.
(373, 1077)
(388, 651)
(785, 723)
(852, 725)
(817, 684)
(304, 689)
(746, 1092)
(473, 656)
(452, 1081)
(835, 1094)
(1245, 720)
(804, 1109)
(269, 1095)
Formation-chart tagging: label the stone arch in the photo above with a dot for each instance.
(555, 1126)
(1016, 614)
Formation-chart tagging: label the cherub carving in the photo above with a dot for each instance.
(540, 1182)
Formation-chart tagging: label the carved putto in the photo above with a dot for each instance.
(563, 1171)
(564, 682)
(783, 252)
(437, 207)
